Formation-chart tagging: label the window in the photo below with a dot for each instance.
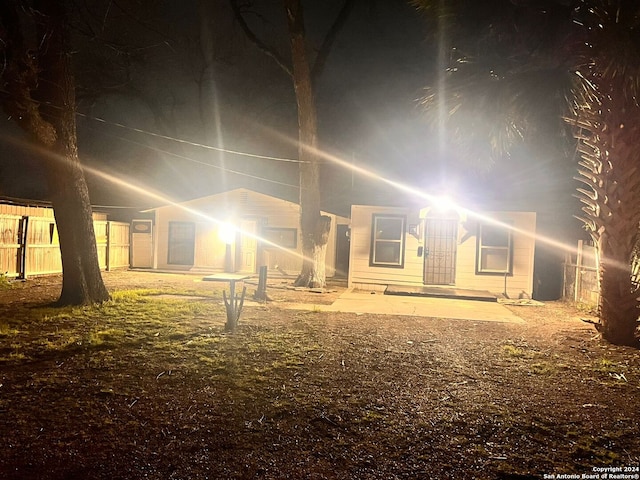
(495, 249)
(182, 240)
(387, 241)
(283, 237)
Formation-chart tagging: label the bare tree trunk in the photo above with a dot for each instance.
(82, 281)
(43, 103)
(313, 226)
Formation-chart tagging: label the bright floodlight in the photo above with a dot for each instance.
(443, 203)
(226, 233)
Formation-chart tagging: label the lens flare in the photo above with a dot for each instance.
(349, 166)
(227, 233)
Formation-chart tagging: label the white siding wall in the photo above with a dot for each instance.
(234, 206)
(360, 272)
(521, 279)
(362, 275)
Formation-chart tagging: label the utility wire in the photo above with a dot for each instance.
(182, 157)
(187, 142)
(178, 140)
(200, 145)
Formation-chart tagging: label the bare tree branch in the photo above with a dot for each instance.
(327, 43)
(253, 38)
(19, 78)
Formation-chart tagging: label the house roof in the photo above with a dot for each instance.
(226, 193)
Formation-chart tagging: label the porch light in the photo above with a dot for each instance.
(443, 203)
(227, 233)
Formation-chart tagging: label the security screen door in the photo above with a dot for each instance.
(440, 241)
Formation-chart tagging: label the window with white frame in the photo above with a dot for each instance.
(495, 249)
(387, 241)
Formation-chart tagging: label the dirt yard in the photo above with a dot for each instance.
(149, 386)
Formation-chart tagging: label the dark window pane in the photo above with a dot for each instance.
(493, 236)
(387, 252)
(182, 236)
(283, 237)
(387, 244)
(389, 228)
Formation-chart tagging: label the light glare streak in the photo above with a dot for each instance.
(348, 166)
(163, 199)
(225, 228)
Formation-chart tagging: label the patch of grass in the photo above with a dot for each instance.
(4, 282)
(587, 308)
(615, 371)
(588, 447)
(16, 356)
(15, 353)
(158, 380)
(145, 294)
(6, 330)
(130, 316)
(513, 351)
(604, 365)
(108, 336)
(53, 314)
(544, 368)
(134, 295)
(371, 416)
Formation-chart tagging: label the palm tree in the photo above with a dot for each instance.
(606, 117)
(516, 67)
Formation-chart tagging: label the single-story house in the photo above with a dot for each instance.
(491, 251)
(234, 231)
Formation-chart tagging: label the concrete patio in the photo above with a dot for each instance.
(358, 301)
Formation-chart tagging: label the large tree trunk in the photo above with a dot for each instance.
(314, 227)
(82, 281)
(618, 309)
(618, 232)
(609, 166)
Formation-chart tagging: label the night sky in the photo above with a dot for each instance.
(367, 107)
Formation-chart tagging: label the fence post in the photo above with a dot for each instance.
(578, 286)
(22, 240)
(261, 292)
(108, 252)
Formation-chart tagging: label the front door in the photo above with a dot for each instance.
(342, 251)
(248, 246)
(440, 242)
(141, 244)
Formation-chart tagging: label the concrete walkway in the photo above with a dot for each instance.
(377, 303)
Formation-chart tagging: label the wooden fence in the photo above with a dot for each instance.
(581, 275)
(29, 245)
